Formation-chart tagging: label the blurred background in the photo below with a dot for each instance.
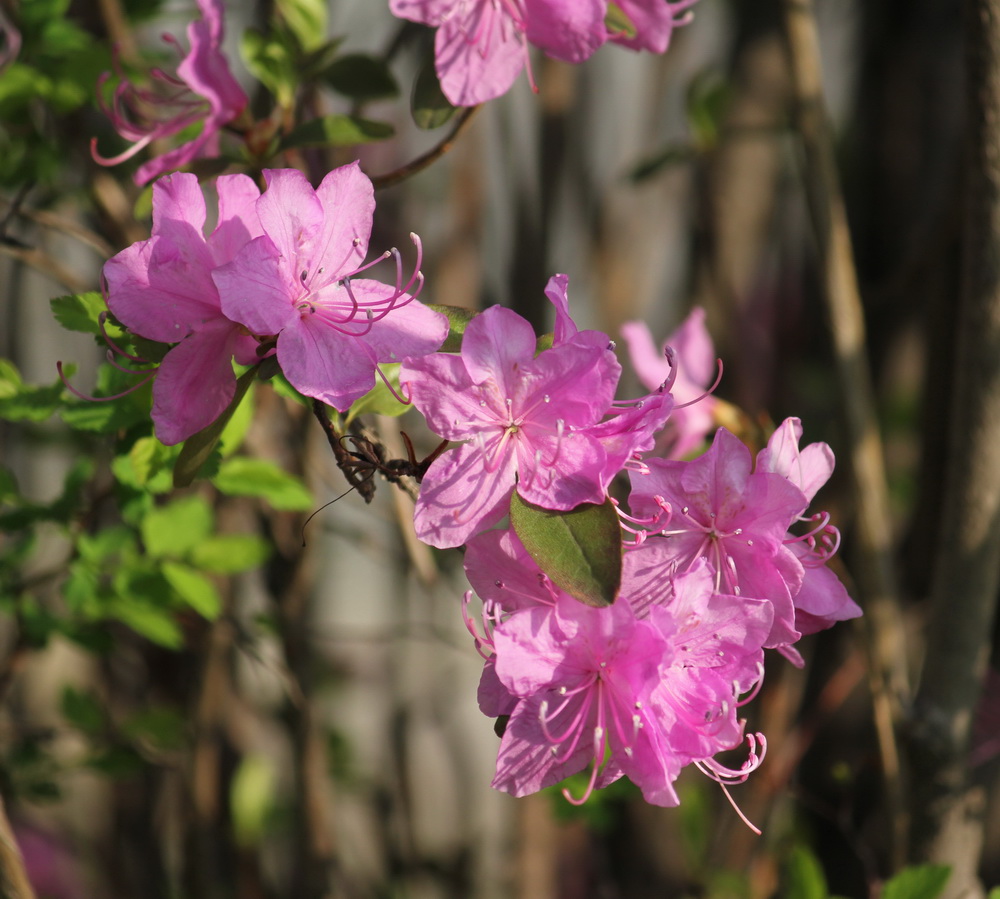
(316, 733)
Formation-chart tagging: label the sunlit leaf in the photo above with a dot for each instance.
(172, 530)
(242, 476)
(194, 589)
(579, 550)
(458, 320)
(919, 882)
(79, 312)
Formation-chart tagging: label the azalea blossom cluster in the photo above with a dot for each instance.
(720, 559)
(712, 572)
(278, 275)
(481, 46)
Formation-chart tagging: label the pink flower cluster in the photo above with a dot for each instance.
(278, 274)
(481, 46)
(715, 569)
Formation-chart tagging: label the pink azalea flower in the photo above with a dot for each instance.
(162, 289)
(298, 281)
(822, 599)
(655, 21)
(692, 363)
(481, 46)
(639, 697)
(714, 507)
(203, 90)
(530, 421)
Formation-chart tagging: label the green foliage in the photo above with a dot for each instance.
(79, 312)
(337, 131)
(242, 476)
(252, 799)
(579, 550)
(306, 19)
(380, 399)
(804, 877)
(918, 882)
(24, 402)
(428, 104)
(272, 60)
(361, 78)
(458, 320)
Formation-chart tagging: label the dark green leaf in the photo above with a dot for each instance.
(24, 402)
(919, 882)
(668, 157)
(579, 550)
(362, 78)
(429, 106)
(82, 710)
(79, 312)
(803, 876)
(198, 447)
(161, 727)
(241, 476)
(337, 131)
(458, 320)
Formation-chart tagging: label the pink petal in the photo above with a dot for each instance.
(348, 200)
(254, 290)
(238, 223)
(570, 30)
(474, 72)
(495, 346)
(195, 382)
(459, 497)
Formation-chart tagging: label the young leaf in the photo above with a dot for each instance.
(230, 553)
(241, 476)
(579, 550)
(173, 530)
(306, 19)
(918, 882)
(194, 589)
(79, 312)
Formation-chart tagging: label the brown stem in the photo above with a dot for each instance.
(947, 810)
(423, 161)
(839, 288)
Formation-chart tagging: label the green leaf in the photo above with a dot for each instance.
(8, 485)
(162, 727)
(380, 400)
(80, 311)
(198, 447)
(251, 799)
(154, 623)
(24, 402)
(428, 105)
(803, 876)
(83, 710)
(670, 156)
(146, 466)
(579, 550)
(458, 320)
(361, 77)
(618, 23)
(307, 20)
(194, 589)
(707, 101)
(337, 131)
(171, 531)
(242, 476)
(230, 553)
(918, 882)
(271, 60)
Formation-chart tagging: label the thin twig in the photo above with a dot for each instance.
(422, 162)
(873, 566)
